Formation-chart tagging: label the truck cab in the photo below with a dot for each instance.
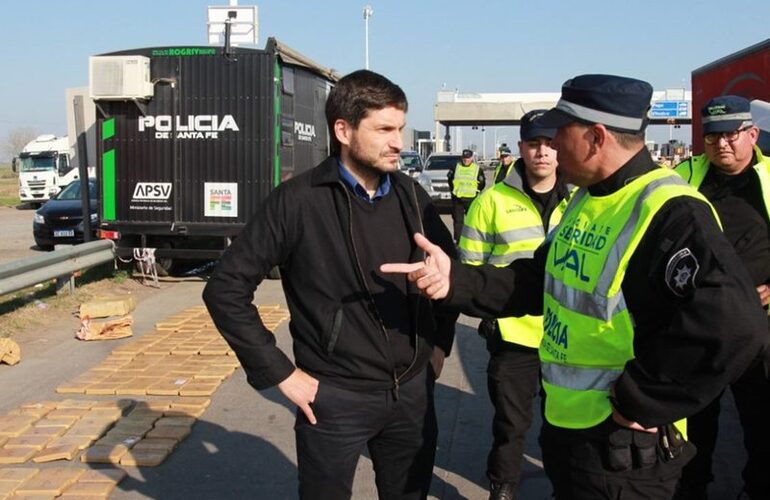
(44, 168)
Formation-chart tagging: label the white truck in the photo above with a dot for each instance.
(44, 168)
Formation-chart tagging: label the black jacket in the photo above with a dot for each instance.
(687, 348)
(304, 227)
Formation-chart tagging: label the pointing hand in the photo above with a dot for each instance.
(430, 276)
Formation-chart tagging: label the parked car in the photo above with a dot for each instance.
(411, 163)
(60, 219)
(434, 177)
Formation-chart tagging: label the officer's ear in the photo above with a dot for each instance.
(599, 135)
(753, 133)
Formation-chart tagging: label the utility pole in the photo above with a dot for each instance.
(368, 11)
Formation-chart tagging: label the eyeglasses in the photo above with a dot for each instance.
(730, 137)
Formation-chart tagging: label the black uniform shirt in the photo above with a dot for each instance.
(691, 337)
(741, 208)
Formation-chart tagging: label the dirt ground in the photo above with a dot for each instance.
(27, 317)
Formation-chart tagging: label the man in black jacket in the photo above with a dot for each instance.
(648, 311)
(367, 346)
(733, 175)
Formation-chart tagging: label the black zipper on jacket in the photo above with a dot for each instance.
(419, 298)
(396, 377)
(372, 309)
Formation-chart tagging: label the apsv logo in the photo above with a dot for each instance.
(152, 190)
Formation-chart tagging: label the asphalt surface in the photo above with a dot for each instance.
(17, 241)
(243, 445)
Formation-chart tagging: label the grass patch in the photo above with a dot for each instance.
(9, 186)
(120, 276)
(40, 304)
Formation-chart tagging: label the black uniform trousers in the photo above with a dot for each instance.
(459, 209)
(752, 400)
(513, 378)
(609, 461)
(399, 432)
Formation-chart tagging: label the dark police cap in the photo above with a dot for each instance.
(467, 153)
(617, 102)
(529, 128)
(505, 151)
(725, 113)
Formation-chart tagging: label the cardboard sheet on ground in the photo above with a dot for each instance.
(110, 329)
(10, 352)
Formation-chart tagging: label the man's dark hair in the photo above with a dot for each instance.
(355, 95)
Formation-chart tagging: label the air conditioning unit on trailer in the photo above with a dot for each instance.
(119, 78)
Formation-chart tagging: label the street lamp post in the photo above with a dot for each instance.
(483, 142)
(368, 11)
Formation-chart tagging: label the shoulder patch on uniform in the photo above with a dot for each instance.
(680, 272)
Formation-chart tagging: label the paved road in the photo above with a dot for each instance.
(243, 445)
(17, 241)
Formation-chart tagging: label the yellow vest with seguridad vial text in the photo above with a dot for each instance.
(588, 331)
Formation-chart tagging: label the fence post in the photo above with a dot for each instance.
(65, 283)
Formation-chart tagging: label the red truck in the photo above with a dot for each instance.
(745, 73)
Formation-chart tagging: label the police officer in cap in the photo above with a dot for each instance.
(466, 181)
(734, 176)
(648, 312)
(504, 168)
(507, 222)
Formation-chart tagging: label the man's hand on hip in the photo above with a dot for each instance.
(301, 389)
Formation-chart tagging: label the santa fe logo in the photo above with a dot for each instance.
(152, 190)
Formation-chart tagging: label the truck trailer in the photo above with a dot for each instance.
(191, 140)
(745, 73)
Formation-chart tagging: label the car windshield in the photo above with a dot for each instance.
(411, 161)
(72, 191)
(441, 162)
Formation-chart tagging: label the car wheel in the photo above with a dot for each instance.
(43, 246)
(165, 266)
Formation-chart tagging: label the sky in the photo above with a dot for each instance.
(422, 45)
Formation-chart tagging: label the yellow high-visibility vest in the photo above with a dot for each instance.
(588, 332)
(503, 225)
(465, 183)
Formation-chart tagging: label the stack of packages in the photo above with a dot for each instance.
(10, 353)
(114, 323)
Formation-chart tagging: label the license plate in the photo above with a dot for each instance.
(445, 196)
(63, 233)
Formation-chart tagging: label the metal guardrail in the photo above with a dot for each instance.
(60, 264)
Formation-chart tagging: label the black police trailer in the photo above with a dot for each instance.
(192, 139)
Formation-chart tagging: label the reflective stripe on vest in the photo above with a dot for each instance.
(465, 183)
(501, 226)
(588, 331)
